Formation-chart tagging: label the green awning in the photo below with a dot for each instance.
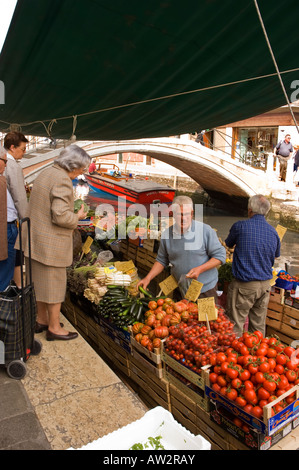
(115, 69)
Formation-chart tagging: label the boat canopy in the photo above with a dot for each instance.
(114, 69)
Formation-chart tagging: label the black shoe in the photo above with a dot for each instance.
(52, 336)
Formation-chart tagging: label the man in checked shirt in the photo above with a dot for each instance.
(257, 244)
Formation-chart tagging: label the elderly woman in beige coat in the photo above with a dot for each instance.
(51, 211)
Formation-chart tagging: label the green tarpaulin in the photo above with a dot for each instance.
(115, 69)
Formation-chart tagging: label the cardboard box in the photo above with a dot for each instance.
(247, 435)
(269, 425)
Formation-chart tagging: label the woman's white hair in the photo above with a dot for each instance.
(72, 158)
(259, 204)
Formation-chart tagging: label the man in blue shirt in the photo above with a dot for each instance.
(257, 244)
(193, 250)
(284, 152)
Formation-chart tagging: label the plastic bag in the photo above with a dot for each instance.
(184, 284)
(104, 257)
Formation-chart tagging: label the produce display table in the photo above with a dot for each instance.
(160, 380)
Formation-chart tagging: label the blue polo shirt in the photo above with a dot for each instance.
(257, 244)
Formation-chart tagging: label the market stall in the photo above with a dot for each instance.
(182, 353)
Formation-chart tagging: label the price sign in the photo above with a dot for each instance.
(273, 281)
(194, 291)
(124, 266)
(87, 245)
(206, 309)
(281, 231)
(168, 285)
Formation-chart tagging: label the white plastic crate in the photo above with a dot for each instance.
(156, 422)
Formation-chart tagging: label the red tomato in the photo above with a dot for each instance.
(282, 382)
(216, 387)
(288, 350)
(264, 367)
(223, 367)
(263, 394)
(248, 385)
(220, 357)
(259, 334)
(241, 401)
(231, 394)
(259, 377)
(237, 383)
(291, 375)
(248, 408)
(250, 396)
(253, 368)
(238, 422)
(232, 373)
(269, 385)
(292, 365)
(213, 377)
(245, 375)
(271, 352)
(279, 369)
(221, 381)
(281, 359)
(262, 351)
(257, 411)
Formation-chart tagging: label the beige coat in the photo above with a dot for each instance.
(52, 218)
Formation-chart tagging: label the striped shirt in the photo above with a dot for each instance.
(257, 244)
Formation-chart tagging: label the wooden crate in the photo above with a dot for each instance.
(150, 386)
(184, 379)
(145, 257)
(67, 308)
(148, 360)
(275, 307)
(277, 295)
(149, 244)
(283, 337)
(183, 408)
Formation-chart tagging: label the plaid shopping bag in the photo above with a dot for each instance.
(17, 321)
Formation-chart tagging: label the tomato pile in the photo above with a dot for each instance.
(161, 314)
(255, 371)
(287, 277)
(194, 345)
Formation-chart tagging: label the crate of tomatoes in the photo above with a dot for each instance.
(257, 380)
(286, 281)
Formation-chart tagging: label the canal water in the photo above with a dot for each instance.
(220, 221)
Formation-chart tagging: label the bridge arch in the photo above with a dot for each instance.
(214, 171)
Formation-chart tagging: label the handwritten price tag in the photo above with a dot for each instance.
(193, 291)
(281, 231)
(168, 285)
(87, 245)
(206, 309)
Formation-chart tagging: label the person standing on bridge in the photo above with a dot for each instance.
(192, 248)
(284, 152)
(257, 244)
(15, 146)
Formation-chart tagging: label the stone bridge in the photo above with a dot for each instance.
(217, 173)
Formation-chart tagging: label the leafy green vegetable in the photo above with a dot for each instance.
(154, 442)
(77, 205)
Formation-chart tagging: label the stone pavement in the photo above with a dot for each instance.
(20, 428)
(68, 398)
